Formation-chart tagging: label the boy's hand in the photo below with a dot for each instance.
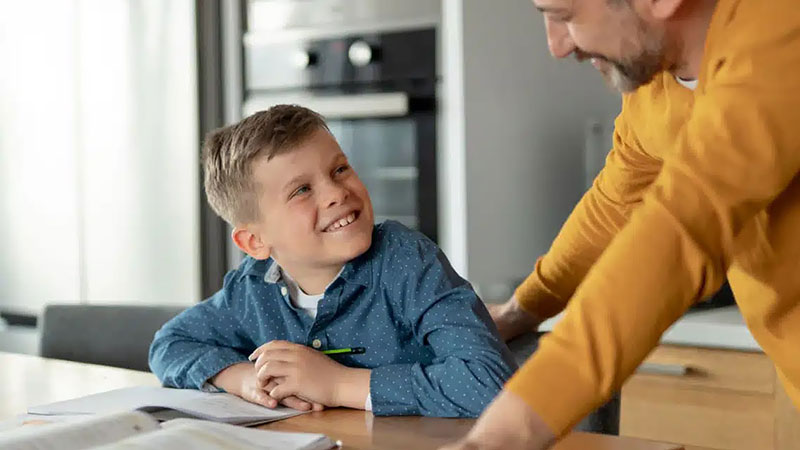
(241, 380)
(286, 369)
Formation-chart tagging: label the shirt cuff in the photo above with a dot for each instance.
(208, 387)
(212, 363)
(390, 389)
(368, 403)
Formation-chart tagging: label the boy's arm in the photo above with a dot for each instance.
(471, 363)
(197, 344)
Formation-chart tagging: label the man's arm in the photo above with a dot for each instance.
(739, 151)
(596, 219)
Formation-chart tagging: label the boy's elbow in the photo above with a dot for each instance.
(155, 360)
(159, 356)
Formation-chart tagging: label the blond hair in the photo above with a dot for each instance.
(229, 153)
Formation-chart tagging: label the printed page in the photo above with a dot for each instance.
(205, 435)
(212, 406)
(75, 435)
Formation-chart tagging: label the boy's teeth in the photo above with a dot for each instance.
(342, 222)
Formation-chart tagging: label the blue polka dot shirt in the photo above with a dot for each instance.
(429, 340)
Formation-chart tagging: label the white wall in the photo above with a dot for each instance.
(524, 120)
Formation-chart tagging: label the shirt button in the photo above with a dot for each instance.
(284, 291)
(316, 343)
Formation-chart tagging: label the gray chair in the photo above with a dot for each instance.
(604, 420)
(111, 335)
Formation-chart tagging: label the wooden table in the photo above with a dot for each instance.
(31, 380)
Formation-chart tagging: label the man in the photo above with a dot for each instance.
(702, 181)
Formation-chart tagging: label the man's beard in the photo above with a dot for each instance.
(630, 73)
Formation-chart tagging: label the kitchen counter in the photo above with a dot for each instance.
(722, 328)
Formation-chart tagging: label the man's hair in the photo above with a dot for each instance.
(229, 153)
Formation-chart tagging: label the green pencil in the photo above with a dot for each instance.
(345, 351)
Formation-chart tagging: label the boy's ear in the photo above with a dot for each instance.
(250, 243)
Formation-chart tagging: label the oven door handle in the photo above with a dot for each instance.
(352, 106)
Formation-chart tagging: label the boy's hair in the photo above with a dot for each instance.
(229, 152)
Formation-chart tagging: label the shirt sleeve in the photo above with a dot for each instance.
(596, 219)
(738, 152)
(198, 343)
(471, 363)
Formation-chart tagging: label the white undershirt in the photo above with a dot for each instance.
(300, 299)
(309, 303)
(688, 84)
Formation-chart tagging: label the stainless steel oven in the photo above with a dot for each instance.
(369, 67)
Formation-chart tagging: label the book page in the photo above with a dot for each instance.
(231, 409)
(213, 406)
(205, 435)
(75, 435)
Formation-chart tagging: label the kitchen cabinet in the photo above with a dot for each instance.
(709, 399)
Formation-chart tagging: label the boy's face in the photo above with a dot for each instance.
(315, 211)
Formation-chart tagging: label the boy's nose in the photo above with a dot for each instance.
(336, 194)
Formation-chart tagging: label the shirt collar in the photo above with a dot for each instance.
(356, 271)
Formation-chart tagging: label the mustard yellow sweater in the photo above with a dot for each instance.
(698, 184)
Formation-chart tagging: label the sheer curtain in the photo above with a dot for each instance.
(99, 172)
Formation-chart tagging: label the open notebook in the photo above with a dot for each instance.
(139, 430)
(166, 403)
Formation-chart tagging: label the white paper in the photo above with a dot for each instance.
(76, 435)
(204, 435)
(24, 420)
(219, 407)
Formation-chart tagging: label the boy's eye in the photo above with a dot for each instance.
(342, 169)
(300, 191)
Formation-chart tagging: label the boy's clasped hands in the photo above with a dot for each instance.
(296, 376)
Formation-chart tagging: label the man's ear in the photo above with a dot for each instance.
(663, 9)
(250, 243)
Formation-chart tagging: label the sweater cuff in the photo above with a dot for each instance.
(535, 298)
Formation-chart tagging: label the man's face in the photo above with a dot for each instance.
(612, 34)
(315, 211)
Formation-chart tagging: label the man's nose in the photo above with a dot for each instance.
(559, 40)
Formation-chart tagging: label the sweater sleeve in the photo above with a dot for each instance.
(739, 150)
(596, 219)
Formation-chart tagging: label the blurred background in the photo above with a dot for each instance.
(452, 111)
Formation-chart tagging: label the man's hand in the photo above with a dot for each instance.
(241, 380)
(507, 423)
(286, 369)
(511, 319)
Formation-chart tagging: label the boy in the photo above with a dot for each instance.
(319, 275)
